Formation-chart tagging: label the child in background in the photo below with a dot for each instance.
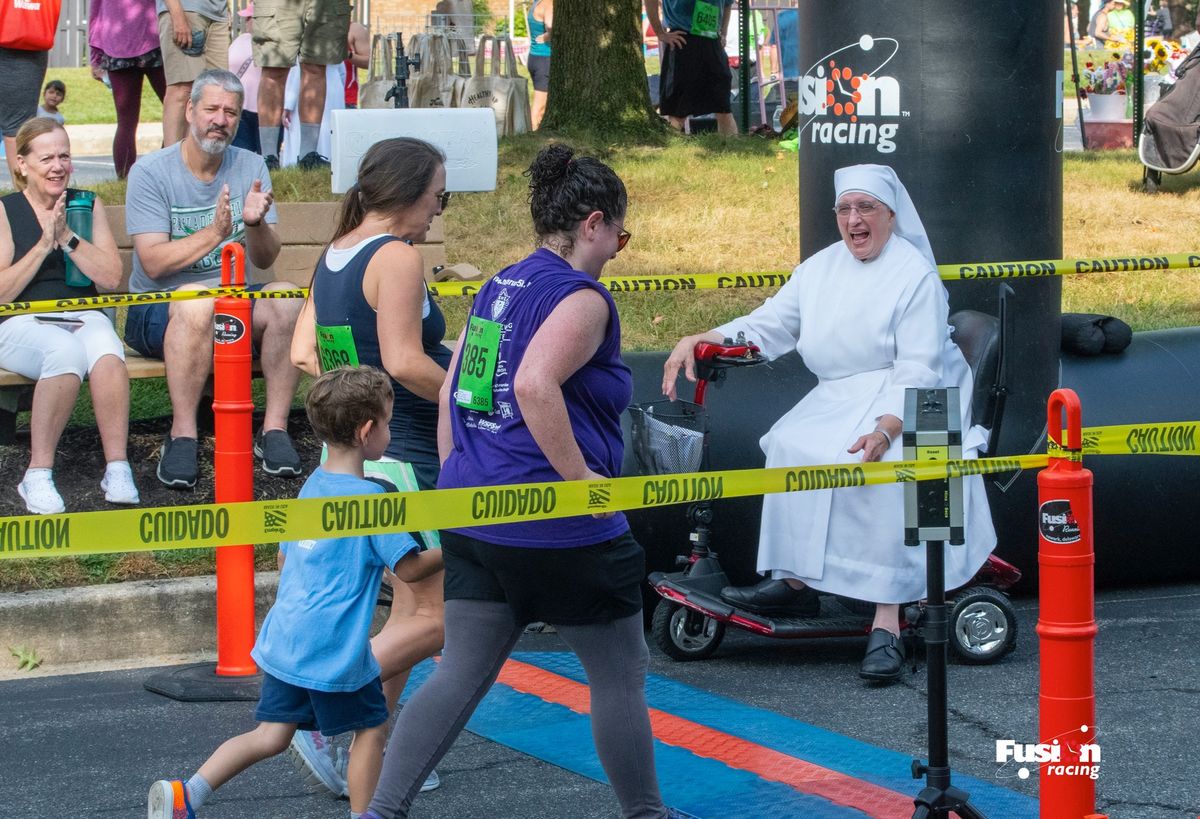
(315, 677)
(52, 97)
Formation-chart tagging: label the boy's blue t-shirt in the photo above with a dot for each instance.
(317, 634)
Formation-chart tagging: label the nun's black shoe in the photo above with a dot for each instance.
(884, 659)
(774, 597)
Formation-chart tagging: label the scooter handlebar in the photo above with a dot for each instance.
(729, 354)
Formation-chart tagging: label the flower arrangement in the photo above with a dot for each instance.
(1108, 78)
(1156, 54)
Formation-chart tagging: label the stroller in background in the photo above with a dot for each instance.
(1170, 137)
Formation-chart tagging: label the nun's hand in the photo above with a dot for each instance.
(874, 445)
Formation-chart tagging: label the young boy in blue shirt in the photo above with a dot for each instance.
(317, 676)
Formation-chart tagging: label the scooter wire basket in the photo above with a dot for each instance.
(669, 436)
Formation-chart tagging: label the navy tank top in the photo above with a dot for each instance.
(345, 322)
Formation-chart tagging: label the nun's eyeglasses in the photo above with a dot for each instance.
(864, 209)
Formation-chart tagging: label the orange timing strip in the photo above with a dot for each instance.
(734, 751)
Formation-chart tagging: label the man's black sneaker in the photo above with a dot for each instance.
(177, 463)
(313, 161)
(278, 455)
(272, 162)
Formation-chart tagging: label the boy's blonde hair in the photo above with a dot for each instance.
(340, 401)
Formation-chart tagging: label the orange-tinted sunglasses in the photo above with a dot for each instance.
(623, 239)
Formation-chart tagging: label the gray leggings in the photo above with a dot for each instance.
(479, 637)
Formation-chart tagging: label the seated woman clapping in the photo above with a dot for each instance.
(60, 350)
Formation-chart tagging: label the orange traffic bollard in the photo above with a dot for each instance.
(233, 460)
(1066, 622)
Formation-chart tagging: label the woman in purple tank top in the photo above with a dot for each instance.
(535, 394)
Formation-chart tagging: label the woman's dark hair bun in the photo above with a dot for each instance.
(551, 166)
(565, 188)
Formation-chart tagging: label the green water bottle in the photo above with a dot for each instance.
(79, 220)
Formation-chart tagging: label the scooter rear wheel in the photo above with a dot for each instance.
(683, 634)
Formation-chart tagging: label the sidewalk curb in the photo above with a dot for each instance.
(117, 623)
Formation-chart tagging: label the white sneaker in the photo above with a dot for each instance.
(313, 757)
(39, 493)
(431, 783)
(118, 484)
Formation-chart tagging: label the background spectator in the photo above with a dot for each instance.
(541, 19)
(241, 63)
(123, 43)
(315, 32)
(194, 35)
(52, 96)
(358, 46)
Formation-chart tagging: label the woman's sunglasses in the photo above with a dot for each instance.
(444, 200)
(623, 239)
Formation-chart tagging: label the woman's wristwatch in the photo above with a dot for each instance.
(71, 243)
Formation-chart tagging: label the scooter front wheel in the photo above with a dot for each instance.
(983, 625)
(684, 634)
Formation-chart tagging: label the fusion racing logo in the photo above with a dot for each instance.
(844, 96)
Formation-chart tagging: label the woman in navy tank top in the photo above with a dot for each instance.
(536, 392)
(368, 305)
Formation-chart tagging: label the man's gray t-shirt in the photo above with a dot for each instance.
(163, 196)
(212, 9)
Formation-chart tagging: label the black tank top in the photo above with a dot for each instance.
(338, 302)
(50, 282)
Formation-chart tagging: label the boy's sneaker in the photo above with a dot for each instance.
(313, 756)
(278, 455)
(177, 466)
(168, 799)
(38, 491)
(313, 161)
(118, 484)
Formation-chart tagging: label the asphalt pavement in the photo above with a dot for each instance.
(89, 745)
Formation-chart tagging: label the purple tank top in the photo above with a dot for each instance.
(497, 448)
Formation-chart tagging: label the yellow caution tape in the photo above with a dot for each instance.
(17, 308)
(206, 526)
(209, 525)
(653, 284)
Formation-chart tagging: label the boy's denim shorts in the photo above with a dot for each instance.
(330, 712)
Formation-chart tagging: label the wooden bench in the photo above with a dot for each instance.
(304, 228)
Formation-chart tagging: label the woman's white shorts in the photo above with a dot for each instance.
(37, 347)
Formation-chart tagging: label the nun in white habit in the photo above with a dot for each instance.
(868, 314)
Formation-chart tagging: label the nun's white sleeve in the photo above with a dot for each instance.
(775, 324)
(920, 333)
